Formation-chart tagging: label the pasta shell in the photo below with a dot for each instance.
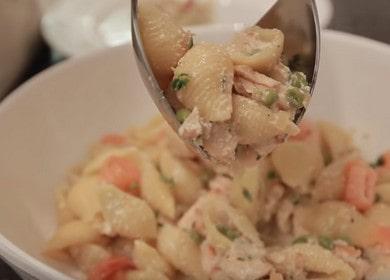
(156, 192)
(210, 81)
(127, 215)
(257, 47)
(164, 41)
(255, 123)
(146, 257)
(181, 251)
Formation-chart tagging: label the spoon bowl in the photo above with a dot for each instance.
(297, 19)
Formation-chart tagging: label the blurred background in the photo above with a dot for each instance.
(37, 34)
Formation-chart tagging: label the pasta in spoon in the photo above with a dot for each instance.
(240, 90)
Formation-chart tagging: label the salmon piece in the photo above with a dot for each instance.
(122, 173)
(106, 269)
(359, 185)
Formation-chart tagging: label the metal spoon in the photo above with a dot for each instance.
(297, 19)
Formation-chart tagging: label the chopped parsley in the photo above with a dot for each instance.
(379, 162)
(301, 240)
(295, 97)
(272, 175)
(182, 115)
(167, 180)
(327, 159)
(346, 239)
(230, 233)
(298, 80)
(134, 186)
(191, 43)
(247, 194)
(326, 242)
(196, 236)
(378, 198)
(295, 199)
(180, 81)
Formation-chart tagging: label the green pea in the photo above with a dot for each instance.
(182, 115)
(180, 81)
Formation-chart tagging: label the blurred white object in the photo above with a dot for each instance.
(74, 27)
(19, 36)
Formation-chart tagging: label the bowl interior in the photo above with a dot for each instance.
(48, 124)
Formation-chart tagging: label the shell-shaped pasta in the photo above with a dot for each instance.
(210, 81)
(332, 218)
(155, 191)
(257, 47)
(147, 274)
(337, 141)
(255, 123)
(218, 212)
(330, 182)
(245, 192)
(310, 258)
(88, 255)
(164, 41)
(127, 215)
(64, 213)
(145, 257)
(187, 185)
(83, 198)
(379, 214)
(96, 163)
(297, 163)
(73, 233)
(181, 251)
(383, 190)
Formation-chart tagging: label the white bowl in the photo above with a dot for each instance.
(47, 125)
(81, 26)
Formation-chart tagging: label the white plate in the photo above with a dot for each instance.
(81, 26)
(48, 124)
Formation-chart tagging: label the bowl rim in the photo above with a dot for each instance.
(37, 269)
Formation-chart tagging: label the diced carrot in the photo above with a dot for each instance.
(123, 173)
(113, 139)
(106, 269)
(359, 185)
(383, 235)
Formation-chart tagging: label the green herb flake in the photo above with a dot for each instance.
(230, 233)
(327, 159)
(182, 115)
(296, 199)
(167, 180)
(326, 242)
(346, 239)
(196, 236)
(191, 43)
(379, 162)
(247, 194)
(180, 81)
(206, 176)
(378, 198)
(298, 80)
(301, 240)
(295, 97)
(134, 186)
(272, 175)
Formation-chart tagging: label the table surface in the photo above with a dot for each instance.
(366, 18)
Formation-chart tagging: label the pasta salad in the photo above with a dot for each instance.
(143, 206)
(237, 101)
